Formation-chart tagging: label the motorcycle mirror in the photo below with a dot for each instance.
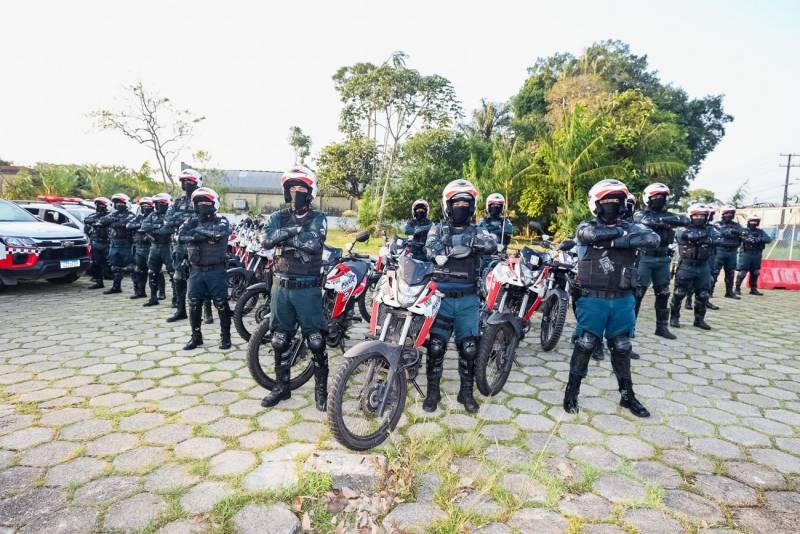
(362, 237)
(500, 247)
(569, 244)
(350, 245)
(545, 237)
(440, 260)
(534, 225)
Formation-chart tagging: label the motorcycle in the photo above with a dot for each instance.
(344, 284)
(368, 394)
(255, 264)
(517, 287)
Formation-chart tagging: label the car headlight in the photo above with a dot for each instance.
(19, 241)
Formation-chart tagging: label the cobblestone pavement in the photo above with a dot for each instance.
(107, 425)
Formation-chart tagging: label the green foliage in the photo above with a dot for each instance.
(88, 181)
(706, 196)
(300, 142)
(347, 168)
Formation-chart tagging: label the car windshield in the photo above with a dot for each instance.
(79, 212)
(12, 212)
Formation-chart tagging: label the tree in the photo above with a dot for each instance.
(705, 196)
(738, 197)
(490, 118)
(152, 121)
(301, 143)
(395, 99)
(348, 168)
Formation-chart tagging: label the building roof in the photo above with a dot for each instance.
(247, 181)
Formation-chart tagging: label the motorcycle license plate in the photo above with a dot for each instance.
(70, 264)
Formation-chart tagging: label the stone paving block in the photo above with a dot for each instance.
(112, 444)
(767, 521)
(171, 434)
(363, 473)
(67, 521)
(77, 471)
(199, 448)
(272, 476)
(693, 507)
(169, 476)
(16, 479)
(725, 490)
(30, 505)
(231, 462)
(538, 521)
(26, 438)
(778, 460)
(141, 422)
(64, 416)
(134, 513)
(588, 507)
(47, 454)
(652, 521)
(618, 488)
(657, 473)
(139, 460)
(477, 502)
(107, 489)
(413, 517)
(202, 497)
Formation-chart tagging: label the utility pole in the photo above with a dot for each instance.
(786, 183)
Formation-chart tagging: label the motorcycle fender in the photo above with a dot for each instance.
(236, 270)
(500, 318)
(391, 352)
(257, 285)
(561, 293)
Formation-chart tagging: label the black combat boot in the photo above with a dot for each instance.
(321, 382)
(710, 305)
(700, 314)
(689, 304)
(162, 287)
(195, 313)
(153, 283)
(662, 322)
(739, 279)
(98, 282)
(224, 312)
(180, 299)
(675, 312)
(116, 285)
(466, 373)
(209, 317)
(628, 400)
(433, 395)
(729, 287)
(571, 393)
(635, 355)
(281, 391)
(754, 285)
(139, 282)
(174, 285)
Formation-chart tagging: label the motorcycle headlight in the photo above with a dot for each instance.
(19, 241)
(407, 295)
(342, 284)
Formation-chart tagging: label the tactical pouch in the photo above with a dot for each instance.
(629, 278)
(194, 255)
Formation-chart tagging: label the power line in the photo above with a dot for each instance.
(786, 183)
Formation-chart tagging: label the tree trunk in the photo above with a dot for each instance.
(388, 175)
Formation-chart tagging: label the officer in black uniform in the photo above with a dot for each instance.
(205, 236)
(120, 252)
(730, 237)
(494, 222)
(98, 238)
(160, 249)
(607, 279)
(141, 248)
(178, 213)
(297, 234)
(754, 239)
(459, 311)
(417, 228)
(654, 263)
(695, 246)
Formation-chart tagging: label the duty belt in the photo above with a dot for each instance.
(606, 294)
(656, 253)
(206, 268)
(728, 248)
(694, 263)
(289, 283)
(455, 293)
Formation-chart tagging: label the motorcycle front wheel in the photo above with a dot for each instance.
(261, 359)
(495, 359)
(251, 309)
(354, 403)
(553, 316)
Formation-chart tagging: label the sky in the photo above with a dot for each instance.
(254, 69)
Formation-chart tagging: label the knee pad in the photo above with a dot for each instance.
(661, 291)
(195, 303)
(221, 304)
(703, 295)
(639, 292)
(620, 344)
(586, 341)
(468, 348)
(281, 341)
(316, 343)
(437, 345)
(680, 291)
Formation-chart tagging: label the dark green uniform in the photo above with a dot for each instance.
(141, 251)
(695, 245)
(160, 256)
(99, 241)
(754, 239)
(120, 253)
(730, 237)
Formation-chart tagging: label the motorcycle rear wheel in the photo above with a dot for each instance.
(495, 359)
(261, 361)
(554, 314)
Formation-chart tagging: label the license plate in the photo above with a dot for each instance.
(70, 264)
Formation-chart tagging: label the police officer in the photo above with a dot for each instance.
(654, 263)
(460, 307)
(695, 246)
(141, 248)
(297, 234)
(119, 253)
(98, 238)
(205, 236)
(160, 255)
(607, 278)
(754, 239)
(417, 228)
(730, 237)
(178, 213)
(494, 222)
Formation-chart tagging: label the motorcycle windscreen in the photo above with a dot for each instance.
(330, 255)
(413, 272)
(533, 260)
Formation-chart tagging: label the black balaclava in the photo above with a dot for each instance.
(301, 200)
(147, 210)
(120, 206)
(700, 220)
(188, 186)
(657, 202)
(460, 215)
(204, 208)
(101, 208)
(161, 207)
(495, 211)
(611, 208)
(420, 214)
(753, 224)
(728, 216)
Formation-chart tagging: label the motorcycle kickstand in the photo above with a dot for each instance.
(416, 386)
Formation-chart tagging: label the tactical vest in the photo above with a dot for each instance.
(118, 230)
(205, 254)
(666, 235)
(728, 240)
(99, 233)
(752, 246)
(290, 261)
(699, 250)
(158, 221)
(461, 271)
(610, 270)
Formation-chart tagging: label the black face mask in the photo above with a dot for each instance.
(147, 211)
(188, 186)
(495, 211)
(101, 208)
(752, 225)
(611, 212)
(120, 207)
(699, 221)
(162, 208)
(460, 214)
(300, 200)
(205, 210)
(420, 215)
(657, 202)
(728, 217)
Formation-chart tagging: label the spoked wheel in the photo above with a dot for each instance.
(365, 300)
(554, 315)
(261, 361)
(237, 285)
(251, 309)
(359, 417)
(495, 358)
